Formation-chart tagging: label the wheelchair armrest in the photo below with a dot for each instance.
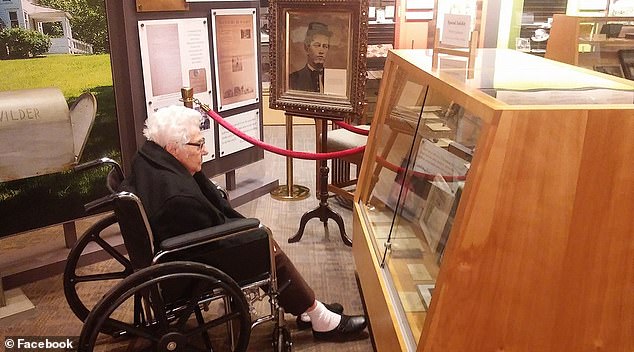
(204, 235)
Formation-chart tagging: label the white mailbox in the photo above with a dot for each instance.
(39, 134)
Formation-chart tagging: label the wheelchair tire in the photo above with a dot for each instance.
(282, 341)
(167, 326)
(71, 279)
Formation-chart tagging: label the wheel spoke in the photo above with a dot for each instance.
(213, 323)
(205, 334)
(185, 315)
(138, 331)
(72, 277)
(157, 306)
(100, 277)
(114, 253)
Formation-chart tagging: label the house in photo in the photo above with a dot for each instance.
(25, 14)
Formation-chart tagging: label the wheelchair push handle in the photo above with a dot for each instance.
(99, 162)
(91, 164)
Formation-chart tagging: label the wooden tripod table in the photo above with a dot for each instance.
(323, 212)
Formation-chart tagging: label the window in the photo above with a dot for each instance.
(13, 17)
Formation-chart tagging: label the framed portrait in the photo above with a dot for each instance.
(318, 57)
(236, 60)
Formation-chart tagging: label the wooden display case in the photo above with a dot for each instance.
(590, 42)
(495, 212)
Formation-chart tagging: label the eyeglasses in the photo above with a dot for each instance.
(200, 143)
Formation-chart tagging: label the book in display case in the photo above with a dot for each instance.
(494, 207)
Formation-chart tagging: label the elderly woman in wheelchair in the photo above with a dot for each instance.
(204, 252)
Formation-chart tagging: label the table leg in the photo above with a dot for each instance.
(323, 211)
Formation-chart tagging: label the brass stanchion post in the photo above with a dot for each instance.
(187, 95)
(290, 191)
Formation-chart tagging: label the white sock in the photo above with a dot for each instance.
(322, 318)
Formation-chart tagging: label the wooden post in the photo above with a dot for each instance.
(3, 299)
(70, 233)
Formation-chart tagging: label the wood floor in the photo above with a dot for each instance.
(323, 259)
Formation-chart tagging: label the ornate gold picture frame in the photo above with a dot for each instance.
(318, 57)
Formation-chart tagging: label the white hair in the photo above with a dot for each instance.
(172, 124)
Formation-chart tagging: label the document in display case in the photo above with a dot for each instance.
(476, 193)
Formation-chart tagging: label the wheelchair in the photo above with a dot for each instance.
(161, 298)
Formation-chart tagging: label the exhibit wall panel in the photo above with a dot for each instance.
(129, 82)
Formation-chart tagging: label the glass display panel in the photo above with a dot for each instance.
(514, 78)
(425, 148)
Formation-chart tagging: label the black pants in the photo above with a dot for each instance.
(297, 297)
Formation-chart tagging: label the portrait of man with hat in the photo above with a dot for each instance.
(310, 78)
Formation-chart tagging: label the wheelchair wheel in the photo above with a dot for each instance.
(282, 341)
(75, 278)
(194, 319)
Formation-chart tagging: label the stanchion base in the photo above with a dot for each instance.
(298, 193)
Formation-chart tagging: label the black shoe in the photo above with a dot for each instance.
(333, 307)
(349, 328)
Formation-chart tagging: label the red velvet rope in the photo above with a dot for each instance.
(321, 156)
(271, 148)
(351, 128)
(423, 175)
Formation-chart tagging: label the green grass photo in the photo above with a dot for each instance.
(41, 201)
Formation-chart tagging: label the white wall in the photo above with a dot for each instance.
(14, 6)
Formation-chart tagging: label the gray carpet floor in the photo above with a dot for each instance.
(326, 263)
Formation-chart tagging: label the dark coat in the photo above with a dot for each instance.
(305, 79)
(174, 201)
